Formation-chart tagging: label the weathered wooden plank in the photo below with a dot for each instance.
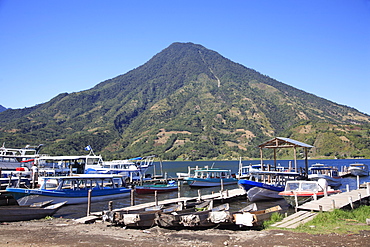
(296, 219)
(309, 217)
(289, 218)
(87, 219)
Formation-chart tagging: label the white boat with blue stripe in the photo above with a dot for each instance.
(74, 189)
(209, 177)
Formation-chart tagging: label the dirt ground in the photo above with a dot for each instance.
(66, 232)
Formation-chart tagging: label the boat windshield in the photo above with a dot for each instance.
(83, 184)
(292, 186)
(309, 187)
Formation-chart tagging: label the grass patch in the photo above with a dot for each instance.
(338, 221)
(275, 217)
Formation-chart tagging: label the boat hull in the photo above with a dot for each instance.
(332, 181)
(209, 182)
(358, 172)
(20, 213)
(249, 184)
(29, 196)
(153, 189)
(261, 194)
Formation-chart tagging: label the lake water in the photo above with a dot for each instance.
(76, 211)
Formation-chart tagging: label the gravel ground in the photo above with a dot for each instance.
(66, 232)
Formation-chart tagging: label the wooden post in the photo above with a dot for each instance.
(320, 208)
(199, 195)
(261, 154)
(347, 187)
(132, 197)
(358, 182)
(359, 197)
(178, 188)
(222, 185)
(350, 201)
(325, 191)
(314, 196)
(296, 202)
(295, 159)
(368, 188)
(19, 181)
(306, 162)
(156, 197)
(227, 193)
(333, 203)
(89, 202)
(110, 205)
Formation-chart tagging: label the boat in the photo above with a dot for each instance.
(11, 211)
(139, 218)
(268, 187)
(254, 218)
(172, 219)
(150, 188)
(321, 171)
(73, 189)
(358, 169)
(298, 192)
(134, 168)
(13, 158)
(202, 219)
(22, 213)
(209, 177)
(66, 164)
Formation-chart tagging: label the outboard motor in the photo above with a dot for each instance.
(323, 184)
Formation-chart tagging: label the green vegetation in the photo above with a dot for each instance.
(275, 217)
(188, 103)
(338, 221)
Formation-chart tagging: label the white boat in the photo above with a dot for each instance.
(134, 168)
(209, 177)
(301, 191)
(357, 169)
(66, 164)
(13, 158)
(73, 189)
(321, 171)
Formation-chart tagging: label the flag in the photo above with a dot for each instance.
(88, 148)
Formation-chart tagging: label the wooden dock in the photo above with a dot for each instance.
(342, 200)
(225, 195)
(294, 220)
(350, 200)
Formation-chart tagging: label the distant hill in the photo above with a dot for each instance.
(188, 102)
(2, 108)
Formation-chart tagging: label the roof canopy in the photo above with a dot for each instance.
(282, 142)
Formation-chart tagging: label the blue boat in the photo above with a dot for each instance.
(73, 189)
(271, 184)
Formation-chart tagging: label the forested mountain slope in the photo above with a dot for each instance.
(188, 102)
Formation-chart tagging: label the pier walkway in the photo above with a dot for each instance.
(341, 200)
(350, 200)
(227, 194)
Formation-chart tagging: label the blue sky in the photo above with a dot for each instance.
(50, 47)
